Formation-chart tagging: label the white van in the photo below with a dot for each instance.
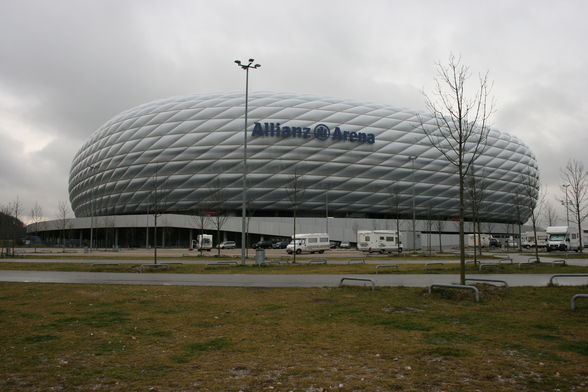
(202, 242)
(563, 238)
(382, 241)
(472, 240)
(309, 243)
(528, 239)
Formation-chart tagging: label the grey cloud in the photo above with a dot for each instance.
(82, 62)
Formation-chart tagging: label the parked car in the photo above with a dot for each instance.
(280, 244)
(263, 244)
(494, 243)
(344, 245)
(227, 245)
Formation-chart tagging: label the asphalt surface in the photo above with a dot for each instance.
(273, 280)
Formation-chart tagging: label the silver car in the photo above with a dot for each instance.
(227, 245)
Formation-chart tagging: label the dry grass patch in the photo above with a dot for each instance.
(121, 338)
(300, 268)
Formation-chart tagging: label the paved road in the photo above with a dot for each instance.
(268, 280)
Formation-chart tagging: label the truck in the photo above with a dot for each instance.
(308, 243)
(563, 238)
(380, 241)
(528, 239)
(202, 242)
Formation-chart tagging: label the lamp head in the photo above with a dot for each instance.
(257, 66)
(238, 62)
(251, 60)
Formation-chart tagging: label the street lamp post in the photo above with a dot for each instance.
(327, 210)
(413, 158)
(567, 205)
(246, 67)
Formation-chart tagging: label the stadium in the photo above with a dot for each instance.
(341, 165)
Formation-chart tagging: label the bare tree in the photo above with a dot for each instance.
(36, 216)
(520, 208)
(459, 127)
(439, 226)
(201, 215)
(429, 226)
(16, 210)
(5, 229)
(11, 227)
(476, 191)
(295, 191)
(109, 231)
(220, 216)
(394, 203)
(63, 220)
(490, 228)
(577, 178)
(534, 201)
(549, 214)
(157, 205)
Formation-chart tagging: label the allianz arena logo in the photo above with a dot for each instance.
(320, 132)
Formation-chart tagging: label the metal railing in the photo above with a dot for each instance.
(356, 260)
(553, 277)
(373, 284)
(378, 267)
(574, 298)
(487, 280)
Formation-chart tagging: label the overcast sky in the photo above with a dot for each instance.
(66, 67)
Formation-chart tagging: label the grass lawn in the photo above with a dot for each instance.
(70, 337)
(300, 268)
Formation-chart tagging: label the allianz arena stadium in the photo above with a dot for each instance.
(364, 160)
(354, 165)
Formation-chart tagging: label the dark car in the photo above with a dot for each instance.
(494, 243)
(263, 244)
(280, 244)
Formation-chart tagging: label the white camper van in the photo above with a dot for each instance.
(528, 239)
(563, 238)
(472, 240)
(202, 242)
(309, 243)
(382, 241)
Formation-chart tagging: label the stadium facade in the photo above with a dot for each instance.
(345, 159)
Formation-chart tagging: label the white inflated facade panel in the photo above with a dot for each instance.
(180, 153)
